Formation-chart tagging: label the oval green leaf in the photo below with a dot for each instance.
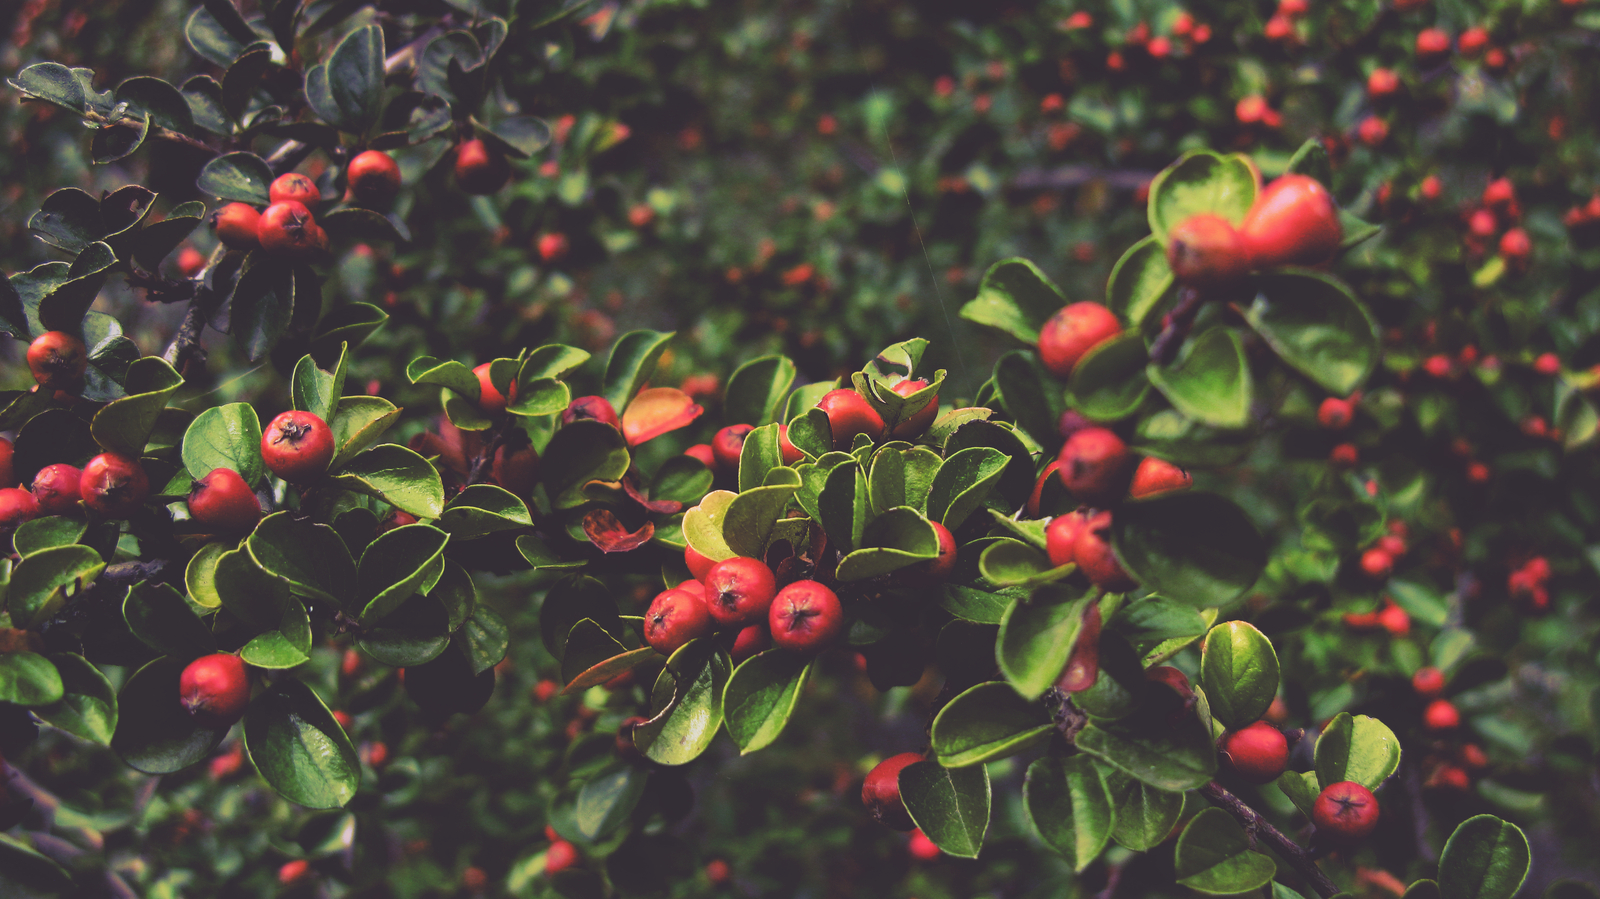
(300, 751)
(986, 722)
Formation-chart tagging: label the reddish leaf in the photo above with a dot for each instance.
(656, 411)
(606, 531)
(664, 506)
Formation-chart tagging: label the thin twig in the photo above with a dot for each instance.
(1176, 326)
(1288, 849)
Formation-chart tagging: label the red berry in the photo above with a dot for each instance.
(8, 474)
(289, 228)
(1155, 476)
(787, 451)
(1345, 455)
(880, 793)
(190, 262)
(58, 360)
(481, 169)
(850, 414)
(1278, 28)
(675, 618)
(805, 617)
(1095, 559)
(1250, 110)
(728, 444)
(1206, 251)
(297, 447)
(1035, 498)
(552, 245)
(1472, 41)
(16, 506)
(559, 857)
(374, 178)
(739, 590)
(1499, 192)
(749, 641)
(1548, 364)
(1432, 42)
(1257, 753)
(1395, 620)
(236, 225)
(944, 565)
(591, 408)
(1336, 414)
(1294, 222)
(215, 689)
(1515, 244)
(223, 501)
(1430, 188)
(1441, 714)
(490, 399)
(1428, 682)
(58, 488)
(293, 872)
(1061, 537)
(704, 453)
(1345, 812)
(912, 427)
(717, 871)
(1382, 83)
(1392, 544)
(1373, 131)
(1377, 564)
(296, 188)
(921, 847)
(1094, 466)
(1072, 332)
(699, 565)
(114, 485)
(1482, 223)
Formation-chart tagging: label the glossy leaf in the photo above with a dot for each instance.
(1070, 807)
(963, 484)
(1210, 382)
(394, 566)
(309, 556)
(1110, 381)
(1176, 757)
(949, 805)
(357, 423)
(240, 177)
(124, 426)
(1015, 297)
(225, 437)
(605, 802)
(1140, 282)
(685, 705)
(987, 722)
(1145, 815)
(1195, 547)
(415, 633)
(631, 364)
(1316, 327)
(301, 752)
(761, 695)
(1239, 672)
(1214, 856)
(484, 509)
(1036, 638)
(88, 706)
(159, 616)
(1358, 748)
(28, 679)
(1485, 858)
(38, 582)
(285, 646)
(44, 533)
(398, 476)
(581, 452)
(1202, 182)
(755, 390)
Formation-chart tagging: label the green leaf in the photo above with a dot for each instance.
(44, 533)
(748, 523)
(1214, 856)
(241, 177)
(309, 556)
(570, 600)
(1144, 814)
(355, 79)
(756, 389)
(69, 219)
(1141, 282)
(1012, 563)
(38, 582)
(1036, 638)
(1155, 619)
(1015, 297)
(1202, 182)
(842, 506)
(949, 805)
(483, 639)
(398, 476)
(1302, 788)
(540, 556)
(685, 705)
(759, 455)
(963, 484)
(484, 509)
(1069, 806)
(395, 565)
(446, 373)
(124, 426)
(987, 722)
(606, 802)
(1210, 382)
(357, 424)
(263, 302)
(351, 323)
(581, 452)
(1358, 748)
(155, 733)
(88, 706)
(300, 751)
(587, 646)
(1312, 160)
(225, 437)
(894, 540)
(159, 616)
(1239, 672)
(286, 646)
(632, 363)
(1196, 547)
(317, 391)
(28, 679)
(1317, 327)
(415, 633)
(1176, 757)
(761, 695)
(1031, 396)
(28, 872)
(1486, 858)
(65, 306)
(977, 606)
(1110, 381)
(247, 592)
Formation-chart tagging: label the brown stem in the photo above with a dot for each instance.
(485, 460)
(1286, 848)
(1176, 326)
(186, 344)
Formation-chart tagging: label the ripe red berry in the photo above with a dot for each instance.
(297, 447)
(1073, 331)
(1547, 364)
(850, 414)
(728, 444)
(1094, 466)
(749, 641)
(1257, 753)
(1250, 110)
(1499, 192)
(290, 229)
(717, 871)
(1095, 559)
(58, 488)
(1382, 83)
(704, 453)
(559, 857)
(739, 590)
(1430, 188)
(1345, 455)
(1432, 42)
(913, 427)
(480, 168)
(58, 360)
(805, 617)
(215, 689)
(1472, 756)
(293, 872)
(921, 847)
(1345, 812)
(1036, 498)
(16, 506)
(8, 474)
(1278, 28)
(1515, 244)
(675, 618)
(1377, 564)
(944, 565)
(787, 451)
(1336, 414)
(294, 187)
(1294, 222)
(1393, 544)
(1206, 251)
(1428, 682)
(699, 565)
(1472, 41)
(190, 262)
(490, 399)
(114, 485)
(1373, 131)
(1395, 620)
(880, 793)
(1155, 476)
(591, 408)
(374, 178)
(1441, 714)
(552, 245)
(223, 501)
(1061, 537)
(236, 225)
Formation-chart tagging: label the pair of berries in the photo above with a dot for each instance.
(1344, 813)
(1294, 221)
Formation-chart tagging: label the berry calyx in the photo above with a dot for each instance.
(58, 488)
(58, 360)
(739, 590)
(215, 689)
(294, 187)
(297, 446)
(880, 792)
(1094, 466)
(114, 485)
(675, 617)
(1345, 812)
(1293, 222)
(1206, 251)
(237, 225)
(805, 617)
(223, 501)
(374, 178)
(850, 414)
(1072, 332)
(480, 169)
(1257, 753)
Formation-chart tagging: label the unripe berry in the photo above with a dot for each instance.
(1072, 332)
(880, 793)
(297, 447)
(114, 485)
(58, 488)
(215, 689)
(58, 360)
(1257, 753)
(1345, 812)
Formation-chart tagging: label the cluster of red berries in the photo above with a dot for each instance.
(1377, 561)
(1527, 584)
(111, 484)
(740, 598)
(1293, 221)
(1499, 207)
(286, 227)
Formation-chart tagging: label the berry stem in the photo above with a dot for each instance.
(1288, 849)
(1177, 325)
